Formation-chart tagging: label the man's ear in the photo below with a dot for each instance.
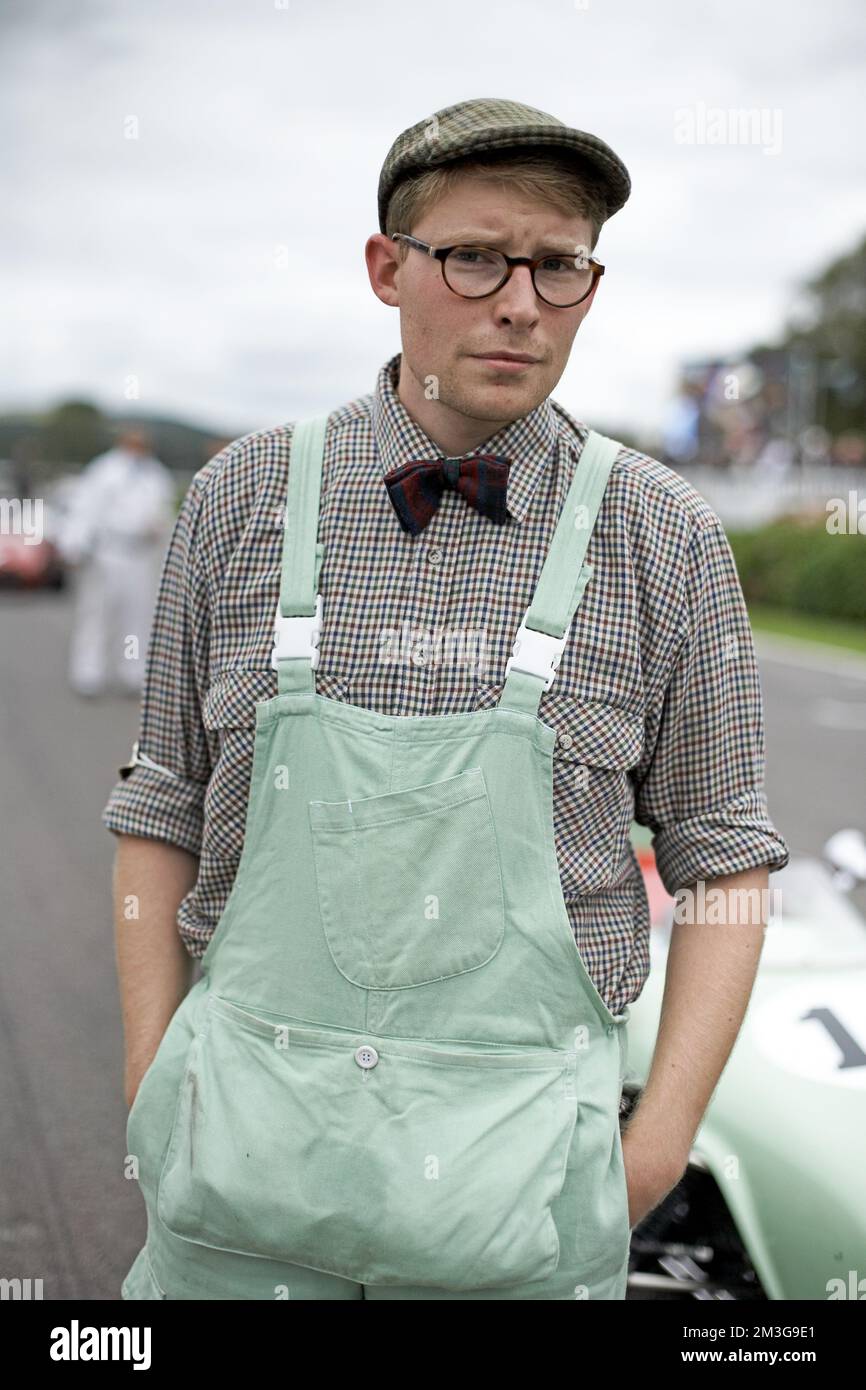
(381, 255)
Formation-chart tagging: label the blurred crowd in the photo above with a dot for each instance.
(758, 413)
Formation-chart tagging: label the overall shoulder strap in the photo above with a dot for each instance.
(298, 619)
(542, 635)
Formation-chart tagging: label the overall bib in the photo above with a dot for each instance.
(395, 1077)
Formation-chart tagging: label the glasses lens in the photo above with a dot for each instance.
(470, 271)
(563, 280)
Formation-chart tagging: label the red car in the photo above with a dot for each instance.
(29, 559)
(29, 565)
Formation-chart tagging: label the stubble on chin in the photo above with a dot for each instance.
(494, 401)
(451, 387)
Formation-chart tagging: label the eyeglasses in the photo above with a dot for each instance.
(474, 272)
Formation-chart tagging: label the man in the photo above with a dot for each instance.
(114, 537)
(446, 508)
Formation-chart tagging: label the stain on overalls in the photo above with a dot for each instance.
(395, 1077)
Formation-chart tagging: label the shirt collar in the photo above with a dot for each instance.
(530, 442)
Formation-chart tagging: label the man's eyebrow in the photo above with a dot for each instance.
(495, 243)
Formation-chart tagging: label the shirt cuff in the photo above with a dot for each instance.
(158, 807)
(735, 837)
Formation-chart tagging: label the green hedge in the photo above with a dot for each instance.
(799, 565)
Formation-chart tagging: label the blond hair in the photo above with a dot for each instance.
(572, 187)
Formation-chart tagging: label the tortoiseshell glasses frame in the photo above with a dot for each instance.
(441, 254)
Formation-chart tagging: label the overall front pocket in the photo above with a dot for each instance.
(409, 882)
(384, 1161)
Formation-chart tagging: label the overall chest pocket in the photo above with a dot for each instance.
(409, 882)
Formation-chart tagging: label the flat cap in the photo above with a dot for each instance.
(487, 123)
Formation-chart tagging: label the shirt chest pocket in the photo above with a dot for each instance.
(231, 698)
(596, 747)
(229, 717)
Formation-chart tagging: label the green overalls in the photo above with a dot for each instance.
(395, 1077)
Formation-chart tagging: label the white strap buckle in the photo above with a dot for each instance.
(537, 652)
(298, 636)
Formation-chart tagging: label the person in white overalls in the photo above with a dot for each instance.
(114, 537)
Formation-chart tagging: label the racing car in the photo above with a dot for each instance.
(772, 1204)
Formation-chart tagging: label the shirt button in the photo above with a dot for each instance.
(419, 657)
(366, 1056)
(565, 740)
(434, 555)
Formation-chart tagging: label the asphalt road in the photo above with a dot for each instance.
(67, 1215)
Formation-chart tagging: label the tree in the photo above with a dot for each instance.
(74, 432)
(829, 327)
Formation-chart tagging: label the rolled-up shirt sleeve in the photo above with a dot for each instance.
(161, 795)
(701, 790)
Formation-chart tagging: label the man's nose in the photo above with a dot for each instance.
(517, 295)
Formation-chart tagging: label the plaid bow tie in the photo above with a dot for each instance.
(416, 487)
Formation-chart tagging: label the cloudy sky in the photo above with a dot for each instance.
(154, 264)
